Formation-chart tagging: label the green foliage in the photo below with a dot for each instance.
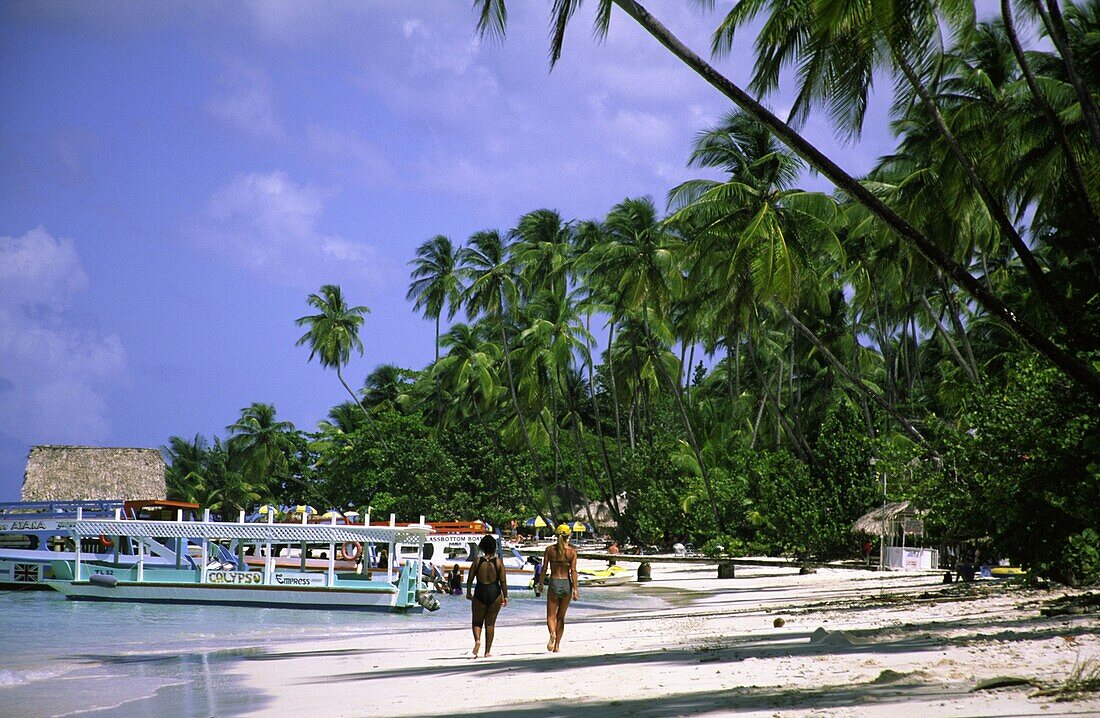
(1024, 473)
(843, 488)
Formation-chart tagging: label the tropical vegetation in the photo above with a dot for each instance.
(745, 364)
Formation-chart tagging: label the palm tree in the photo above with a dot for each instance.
(493, 291)
(386, 387)
(333, 333)
(436, 284)
(258, 442)
(468, 371)
(493, 19)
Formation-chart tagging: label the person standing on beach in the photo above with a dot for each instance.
(490, 594)
(561, 573)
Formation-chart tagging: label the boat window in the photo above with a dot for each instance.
(408, 551)
(19, 541)
(429, 551)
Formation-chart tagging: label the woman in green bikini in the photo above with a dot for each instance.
(560, 572)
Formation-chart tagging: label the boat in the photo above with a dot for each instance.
(214, 581)
(455, 543)
(34, 534)
(610, 576)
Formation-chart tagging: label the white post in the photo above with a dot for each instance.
(882, 543)
(118, 514)
(205, 558)
(206, 516)
(269, 563)
(240, 519)
(332, 555)
(141, 561)
(393, 520)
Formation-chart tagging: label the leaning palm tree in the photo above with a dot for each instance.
(333, 332)
(492, 19)
(436, 285)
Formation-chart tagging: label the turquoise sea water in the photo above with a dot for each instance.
(132, 660)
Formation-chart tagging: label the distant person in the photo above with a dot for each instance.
(613, 549)
(867, 552)
(455, 581)
(383, 558)
(490, 595)
(561, 575)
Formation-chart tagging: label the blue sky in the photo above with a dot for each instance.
(176, 178)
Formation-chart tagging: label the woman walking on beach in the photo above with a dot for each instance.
(561, 573)
(490, 594)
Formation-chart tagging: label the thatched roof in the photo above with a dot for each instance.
(602, 514)
(75, 473)
(897, 513)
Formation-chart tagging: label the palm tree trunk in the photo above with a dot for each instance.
(1076, 177)
(523, 423)
(1071, 365)
(614, 392)
(599, 419)
(858, 383)
(687, 422)
(1052, 18)
(967, 369)
(1039, 279)
(956, 322)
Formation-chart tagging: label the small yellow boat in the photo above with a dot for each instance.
(1007, 571)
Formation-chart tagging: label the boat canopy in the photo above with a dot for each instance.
(288, 533)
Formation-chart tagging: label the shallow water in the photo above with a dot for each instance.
(133, 660)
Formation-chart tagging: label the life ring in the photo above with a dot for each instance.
(352, 550)
(105, 541)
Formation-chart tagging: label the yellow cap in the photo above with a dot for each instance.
(564, 530)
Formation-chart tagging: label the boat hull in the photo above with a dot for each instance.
(353, 599)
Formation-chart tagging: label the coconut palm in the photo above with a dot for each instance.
(258, 442)
(333, 332)
(436, 285)
(492, 18)
(493, 291)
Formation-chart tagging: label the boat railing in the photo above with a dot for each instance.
(58, 509)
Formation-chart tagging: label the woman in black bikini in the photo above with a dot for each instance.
(490, 594)
(561, 574)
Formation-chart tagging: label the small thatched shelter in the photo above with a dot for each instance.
(896, 517)
(77, 473)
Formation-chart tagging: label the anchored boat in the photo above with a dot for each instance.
(34, 534)
(214, 581)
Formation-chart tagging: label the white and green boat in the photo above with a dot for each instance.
(210, 580)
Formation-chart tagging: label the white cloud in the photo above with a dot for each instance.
(54, 374)
(247, 102)
(268, 225)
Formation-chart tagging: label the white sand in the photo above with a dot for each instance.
(891, 645)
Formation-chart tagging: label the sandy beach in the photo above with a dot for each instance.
(850, 643)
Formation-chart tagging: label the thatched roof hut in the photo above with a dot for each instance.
(76, 473)
(895, 517)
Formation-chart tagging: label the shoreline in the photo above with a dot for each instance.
(850, 643)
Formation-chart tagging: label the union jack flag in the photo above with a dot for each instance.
(26, 573)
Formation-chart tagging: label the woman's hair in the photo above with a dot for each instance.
(488, 545)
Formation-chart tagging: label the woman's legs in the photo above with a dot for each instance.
(491, 624)
(552, 601)
(559, 619)
(479, 618)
